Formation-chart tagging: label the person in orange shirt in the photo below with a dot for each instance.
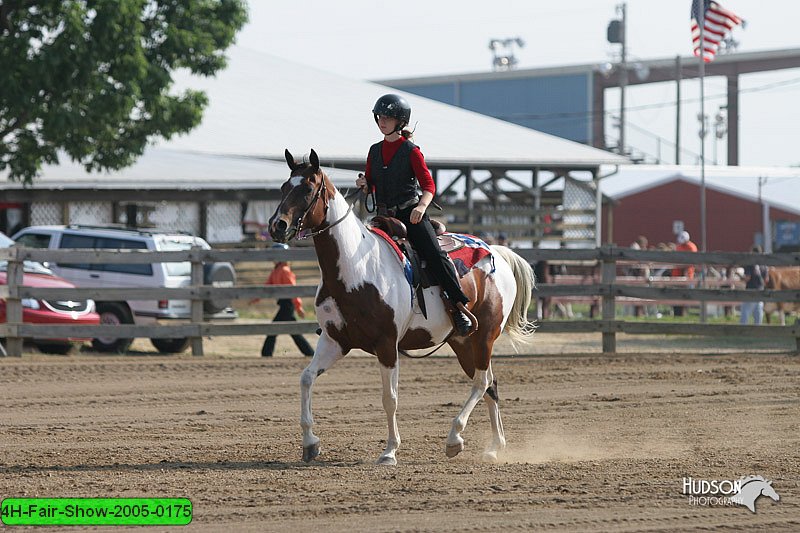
(282, 275)
(684, 244)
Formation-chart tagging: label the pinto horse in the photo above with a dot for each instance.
(365, 302)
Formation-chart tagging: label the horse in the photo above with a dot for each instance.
(782, 278)
(751, 488)
(364, 301)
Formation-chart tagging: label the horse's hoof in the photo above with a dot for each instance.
(454, 449)
(489, 457)
(386, 460)
(310, 452)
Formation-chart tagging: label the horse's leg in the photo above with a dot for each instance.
(492, 399)
(465, 350)
(325, 356)
(389, 377)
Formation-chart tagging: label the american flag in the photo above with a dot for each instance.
(718, 22)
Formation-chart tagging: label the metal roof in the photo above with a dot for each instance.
(661, 69)
(260, 105)
(161, 168)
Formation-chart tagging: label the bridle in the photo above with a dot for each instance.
(317, 195)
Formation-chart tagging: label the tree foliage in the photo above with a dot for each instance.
(91, 78)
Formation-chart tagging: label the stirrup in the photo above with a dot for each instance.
(465, 322)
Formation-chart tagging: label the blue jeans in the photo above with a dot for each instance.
(752, 308)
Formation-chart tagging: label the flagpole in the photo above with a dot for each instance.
(703, 242)
(702, 133)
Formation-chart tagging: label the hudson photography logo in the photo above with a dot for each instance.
(725, 492)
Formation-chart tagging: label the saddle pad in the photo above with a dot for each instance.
(400, 255)
(385, 236)
(466, 256)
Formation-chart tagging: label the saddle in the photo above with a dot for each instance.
(394, 231)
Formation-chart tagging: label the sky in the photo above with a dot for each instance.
(373, 40)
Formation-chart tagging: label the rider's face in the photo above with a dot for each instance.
(387, 125)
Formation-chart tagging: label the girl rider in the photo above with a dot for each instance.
(394, 166)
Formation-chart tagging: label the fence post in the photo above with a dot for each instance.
(14, 275)
(608, 276)
(197, 302)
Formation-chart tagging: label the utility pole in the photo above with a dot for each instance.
(616, 35)
(623, 81)
(766, 226)
(678, 75)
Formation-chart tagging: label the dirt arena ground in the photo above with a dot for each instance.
(595, 443)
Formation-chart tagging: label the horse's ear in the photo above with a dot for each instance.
(290, 160)
(314, 159)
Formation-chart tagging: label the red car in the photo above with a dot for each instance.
(37, 311)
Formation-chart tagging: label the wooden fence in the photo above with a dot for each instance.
(608, 290)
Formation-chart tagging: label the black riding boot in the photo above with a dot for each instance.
(461, 321)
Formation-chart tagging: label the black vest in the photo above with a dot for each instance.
(395, 184)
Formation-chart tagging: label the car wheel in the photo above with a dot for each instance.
(57, 348)
(113, 314)
(170, 345)
(218, 275)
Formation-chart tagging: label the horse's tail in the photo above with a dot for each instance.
(518, 327)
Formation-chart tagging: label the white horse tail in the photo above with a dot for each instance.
(518, 327)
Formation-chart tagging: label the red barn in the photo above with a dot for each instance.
(655, 208)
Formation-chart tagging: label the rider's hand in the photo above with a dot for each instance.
(416, 214)
(361, 182)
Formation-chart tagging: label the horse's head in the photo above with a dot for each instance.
(767, 490)
(304, 199)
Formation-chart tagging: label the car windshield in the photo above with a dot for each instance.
(31, 267)
(184, 268)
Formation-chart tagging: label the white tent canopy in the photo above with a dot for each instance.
(161, 168)
(261, 105)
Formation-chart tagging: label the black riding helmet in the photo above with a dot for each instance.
(395, 106)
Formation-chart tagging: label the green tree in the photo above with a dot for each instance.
(91, 78)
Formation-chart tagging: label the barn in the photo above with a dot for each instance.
(744, 205)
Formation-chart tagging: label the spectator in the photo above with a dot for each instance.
(502, 239)
(485, 237)
(282, 275)
(755, 277)
(541, 273)
(684, 244)
(640, 243)
(662, 270)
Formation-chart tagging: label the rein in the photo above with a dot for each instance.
(317, 196)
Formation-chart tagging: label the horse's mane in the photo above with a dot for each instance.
(362, 253)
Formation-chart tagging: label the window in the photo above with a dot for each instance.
(124, 244)
(34, 240)
(109, 243)
(184, 268)
(77, 241)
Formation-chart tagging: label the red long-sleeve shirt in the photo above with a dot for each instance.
(423, 175)
(283, 275)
